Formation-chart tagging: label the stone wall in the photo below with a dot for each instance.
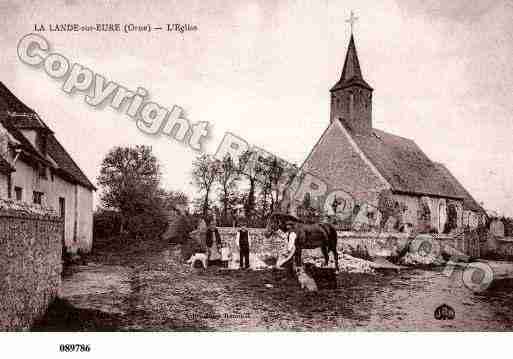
(259, 244)
(368, 243)
(498, 247)
(382, 244)
(30, 264)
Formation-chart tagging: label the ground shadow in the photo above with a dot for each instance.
(62, 316)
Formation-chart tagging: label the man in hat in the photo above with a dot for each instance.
(243, 242)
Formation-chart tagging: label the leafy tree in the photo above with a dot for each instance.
(130, 177)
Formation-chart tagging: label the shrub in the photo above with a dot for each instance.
(180, 228)
(147, 225)
(106, 223)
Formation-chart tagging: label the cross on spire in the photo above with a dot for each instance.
(352, 19)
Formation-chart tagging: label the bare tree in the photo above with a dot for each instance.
(205, 169)
(277, 177)
(251, 168)
(176, 201)
(227, 178)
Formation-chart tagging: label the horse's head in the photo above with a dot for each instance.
(278, 221)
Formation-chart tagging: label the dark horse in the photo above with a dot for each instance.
(308, 236)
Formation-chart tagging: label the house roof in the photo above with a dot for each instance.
(29, 121)
(351, 73)
(23, 143)
(10, 102)
(17, 116)
(66, 163)
(469, 202)
(5, 167)
(404, 165)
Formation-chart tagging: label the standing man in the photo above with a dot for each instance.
(243, 243)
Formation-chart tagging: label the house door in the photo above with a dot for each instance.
(62, 213)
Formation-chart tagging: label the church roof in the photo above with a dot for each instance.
(351, 73)
(469, 202)
(16, 116)
(398, 160)
(404, 165)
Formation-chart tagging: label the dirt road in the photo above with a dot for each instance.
(156, 292)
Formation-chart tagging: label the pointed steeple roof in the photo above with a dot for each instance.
(351, 73)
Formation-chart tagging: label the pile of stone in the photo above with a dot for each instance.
(346, 262)
(419, 259)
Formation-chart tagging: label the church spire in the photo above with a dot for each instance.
(351, 97)
(351, 73)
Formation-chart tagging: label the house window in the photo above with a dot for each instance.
(42, 172)
(18, 191)
(62, 207)
(38, 197)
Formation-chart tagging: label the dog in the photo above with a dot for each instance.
(197, 260)
(324, 277)
(305, 280)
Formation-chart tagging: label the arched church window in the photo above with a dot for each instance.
(351, 105)
(424, 213)
(452, 218)
(442, 216)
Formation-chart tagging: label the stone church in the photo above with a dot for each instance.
(367, 163)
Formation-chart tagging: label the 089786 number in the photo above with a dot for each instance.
(74, 348)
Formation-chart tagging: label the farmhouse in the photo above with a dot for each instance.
(366, 162)
(35, 168)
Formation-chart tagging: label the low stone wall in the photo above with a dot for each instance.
(382, 244)
(363, 243)
(259, 244)
(30, 265)
(498, 247)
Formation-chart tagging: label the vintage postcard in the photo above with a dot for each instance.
(256, 166)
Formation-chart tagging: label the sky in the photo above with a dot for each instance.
(441, 73)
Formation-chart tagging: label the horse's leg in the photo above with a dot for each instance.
(324, 250)
(297, 256)
(290, 268)
(335, 254)
(332, 245)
